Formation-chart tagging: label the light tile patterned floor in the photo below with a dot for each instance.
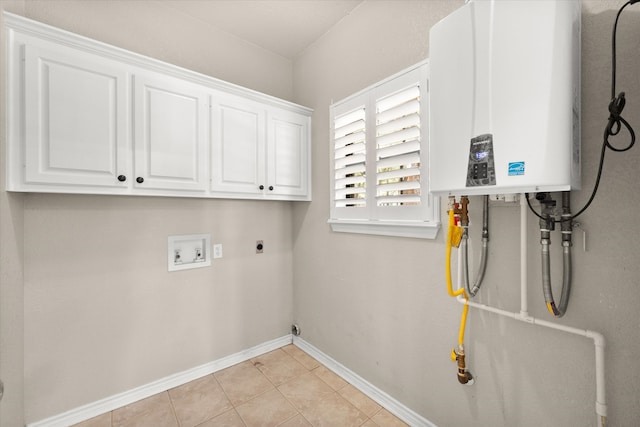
(285, 387)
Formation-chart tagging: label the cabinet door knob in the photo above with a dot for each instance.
(139, 180)
(271, 188)
(122, 178)
(262, 187)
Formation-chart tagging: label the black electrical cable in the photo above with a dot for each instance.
(613, 128)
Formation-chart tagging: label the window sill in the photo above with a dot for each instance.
(415, 229)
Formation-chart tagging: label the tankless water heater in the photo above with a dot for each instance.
(504, 88)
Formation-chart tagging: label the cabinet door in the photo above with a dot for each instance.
(170, 143)
(238, 141)
(75, 118)
(288, 154)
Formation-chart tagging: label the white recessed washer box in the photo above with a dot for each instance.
(188, 251)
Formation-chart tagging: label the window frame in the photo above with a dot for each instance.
(421, 221)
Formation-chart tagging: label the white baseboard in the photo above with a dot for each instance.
(383, 399)
(94, 409)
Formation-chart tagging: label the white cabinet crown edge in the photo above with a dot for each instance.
(34, 28)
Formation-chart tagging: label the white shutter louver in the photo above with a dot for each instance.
(350, 159)
(398, 148)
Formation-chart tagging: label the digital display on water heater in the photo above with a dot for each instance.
(481, 170)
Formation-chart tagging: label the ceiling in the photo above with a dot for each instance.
(285, 27)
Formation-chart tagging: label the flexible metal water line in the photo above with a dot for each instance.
(546, 226)
(472, 291)
(522, 316)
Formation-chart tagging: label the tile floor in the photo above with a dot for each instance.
(285, 387)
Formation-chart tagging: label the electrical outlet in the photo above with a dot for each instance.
(217, 251)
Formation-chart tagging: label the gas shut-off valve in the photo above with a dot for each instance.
(464, 376)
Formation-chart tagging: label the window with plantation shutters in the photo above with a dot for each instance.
(379, 159)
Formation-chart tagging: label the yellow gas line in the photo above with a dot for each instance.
(453, 239)
(454, 236)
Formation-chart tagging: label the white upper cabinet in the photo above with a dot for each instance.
(86, 117)
(75, 115)
(258, 151)
(170, 138)
(238, 136)
(288, 172)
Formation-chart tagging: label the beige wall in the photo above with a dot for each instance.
(11, 263)
(101, 313)
(379, 304)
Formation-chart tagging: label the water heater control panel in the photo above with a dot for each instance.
(481, 170)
